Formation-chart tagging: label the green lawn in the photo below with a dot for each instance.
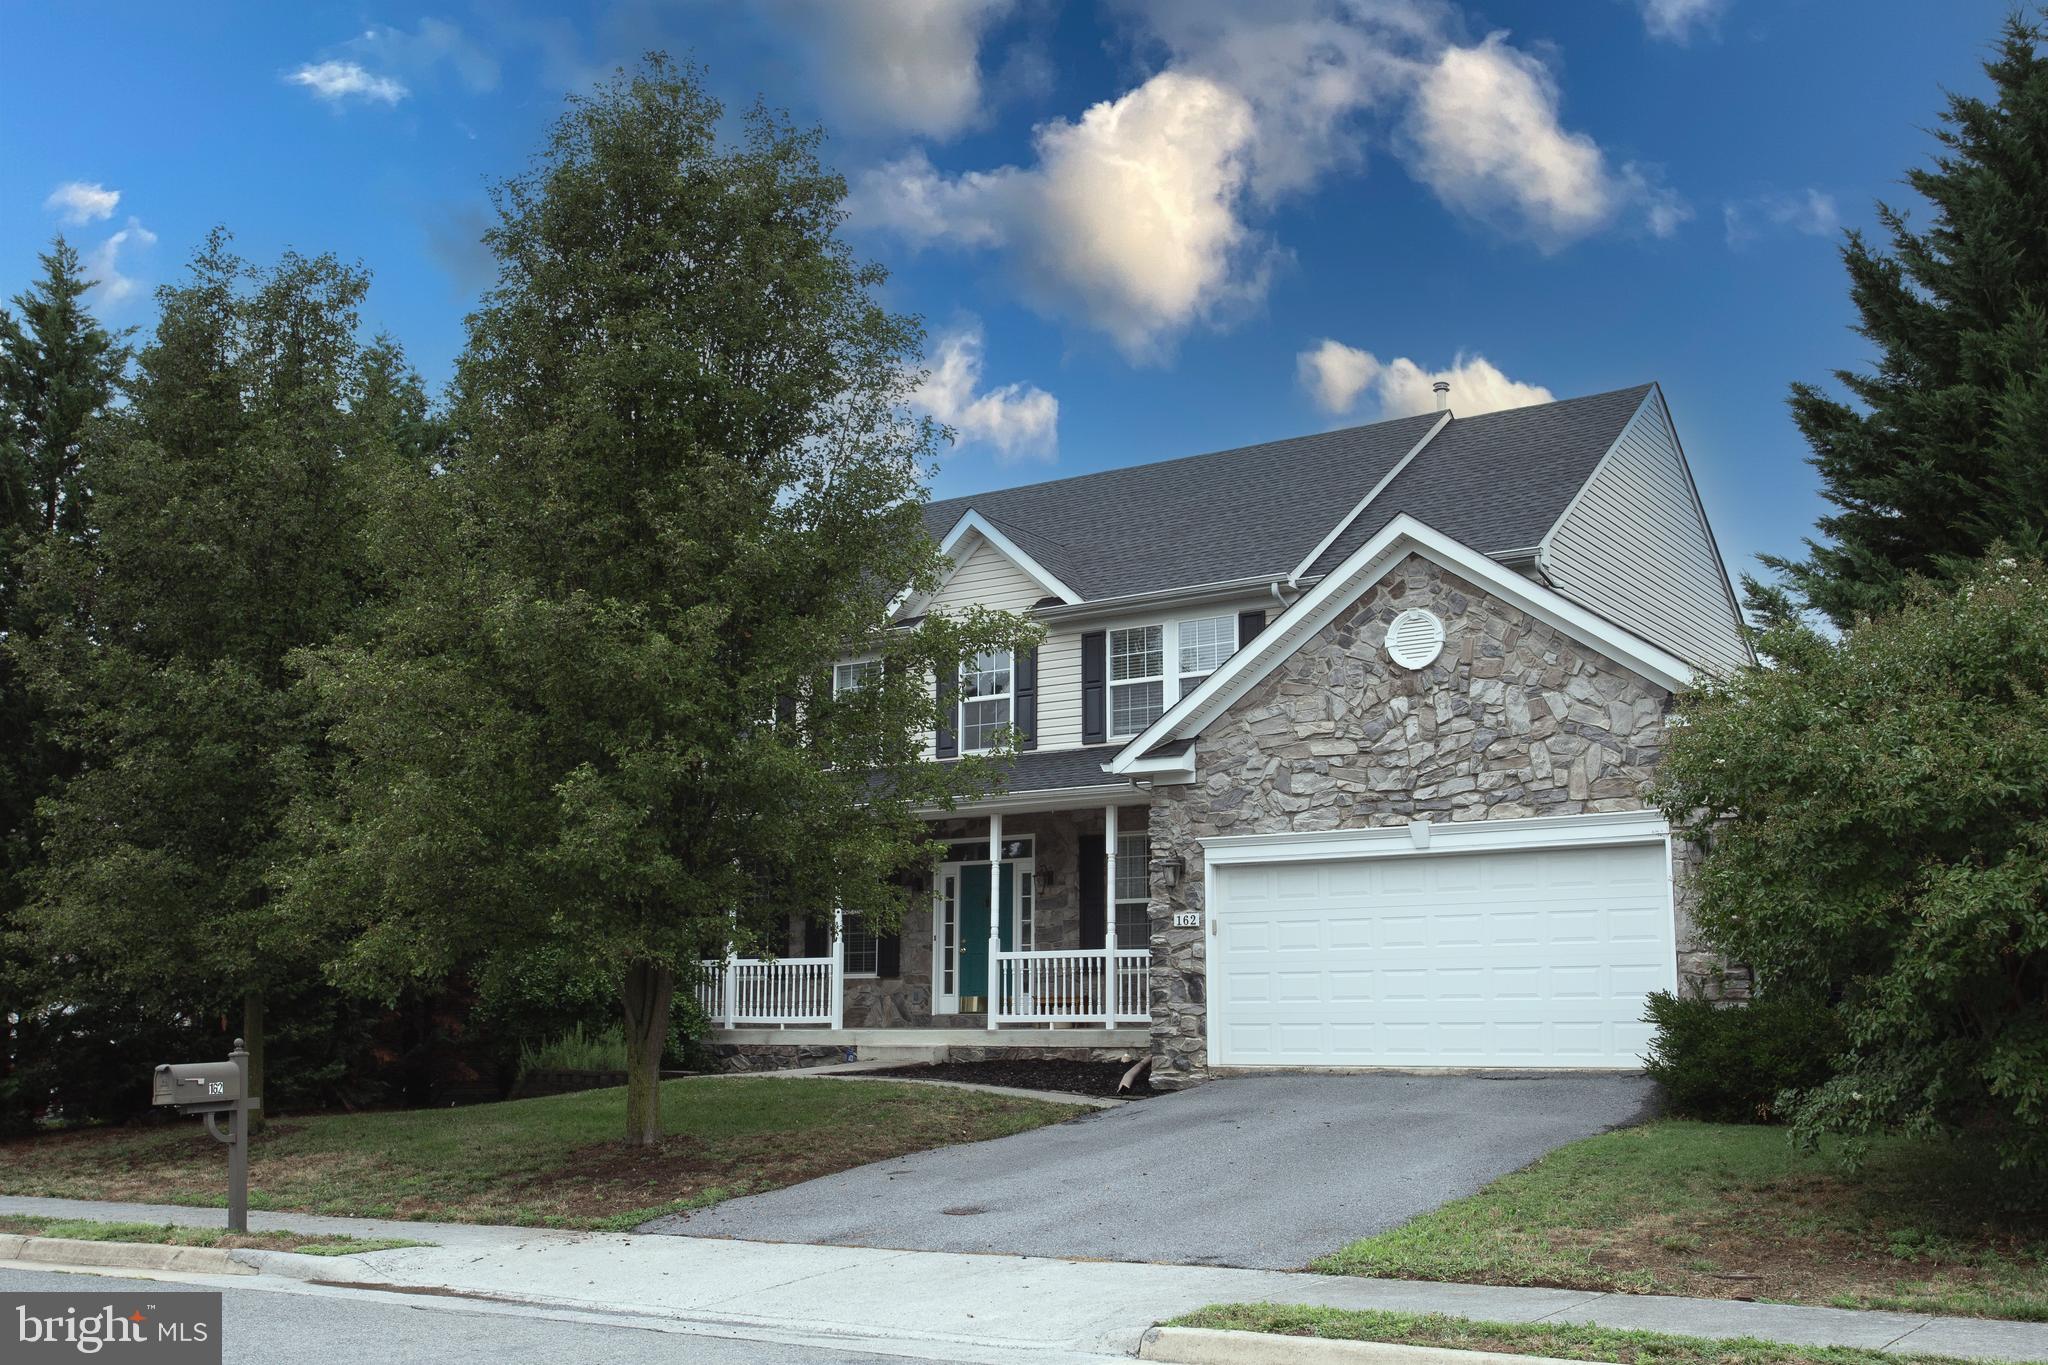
(171, 1234)
(555, 1161)
(1560, 1340)
(1733, 1211)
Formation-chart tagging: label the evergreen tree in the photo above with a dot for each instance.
(597, 720)
(59, 369)
(229, 529)
(1945, 449)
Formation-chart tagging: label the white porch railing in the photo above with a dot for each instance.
(1067, 987)
(789, 990)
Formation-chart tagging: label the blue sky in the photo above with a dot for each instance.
(1136, 229)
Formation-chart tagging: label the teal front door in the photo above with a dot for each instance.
(974, 923)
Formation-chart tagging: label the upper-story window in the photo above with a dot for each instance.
(852, 677)
(1205, 642)
(1137, 678)
(986, 692)
(1141, 686)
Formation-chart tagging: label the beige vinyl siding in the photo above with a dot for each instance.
(1635, 548)
(1059, 690)
(987, 577)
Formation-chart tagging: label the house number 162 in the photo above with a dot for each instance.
(1187, 919)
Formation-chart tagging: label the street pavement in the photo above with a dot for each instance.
(263, 1327)
(943, 1305)
(1260, 1171)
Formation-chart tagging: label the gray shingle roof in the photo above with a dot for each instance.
(1233, 514)
(1496, 482)
(1049, 770)
(1501, 480)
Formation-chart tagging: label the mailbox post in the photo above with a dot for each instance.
(211, 1089)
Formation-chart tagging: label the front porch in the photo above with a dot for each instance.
(1031, 931)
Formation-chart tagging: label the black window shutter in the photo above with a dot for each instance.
(1093, 896)
(1094, 693)
(889, 955)
(1249, 624)
(785, 710)
(817, 938)
(1025, 680)
(948, 740)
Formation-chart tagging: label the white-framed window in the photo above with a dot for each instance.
(1153, 666)
(1133, 890)
(1137, 679)
(854, 675)
(986, 691)
(1205, 642)
(863, 956)
(1027, 935)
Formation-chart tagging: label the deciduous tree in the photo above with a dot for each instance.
(598, 718)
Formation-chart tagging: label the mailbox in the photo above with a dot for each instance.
(198, 1085)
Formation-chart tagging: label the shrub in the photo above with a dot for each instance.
(580, 1049)
(1874, 808)
(1732, 1063)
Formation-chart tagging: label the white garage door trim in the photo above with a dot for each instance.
(1426, 839)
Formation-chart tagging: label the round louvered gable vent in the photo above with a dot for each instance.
(1415, 638)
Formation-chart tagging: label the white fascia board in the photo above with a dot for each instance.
(1402, 536)
(1467, 836)
(1308, 561)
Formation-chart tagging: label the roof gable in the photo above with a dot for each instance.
(974, 538)
(1401, 536)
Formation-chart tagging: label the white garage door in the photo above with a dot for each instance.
(1534, 958)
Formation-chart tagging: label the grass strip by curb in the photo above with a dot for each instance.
(171, 1234)
(1566, 1341)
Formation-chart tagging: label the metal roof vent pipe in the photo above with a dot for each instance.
(1443, 394)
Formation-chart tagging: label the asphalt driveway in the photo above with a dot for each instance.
(1267, 1171)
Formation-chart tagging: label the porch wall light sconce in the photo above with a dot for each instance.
(1169, 870)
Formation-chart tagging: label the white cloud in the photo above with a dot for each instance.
(1488, 140)
(81, 202)
(1337, 375)
(338, 81)
(1140, 216)
(102, 264)
(1128, 219)
(1809, 212)
(1674, 20)
(912, 66)
(1021, 421)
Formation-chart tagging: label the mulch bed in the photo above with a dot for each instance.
(1073, 1078)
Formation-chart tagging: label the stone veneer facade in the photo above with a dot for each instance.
(1513, 719)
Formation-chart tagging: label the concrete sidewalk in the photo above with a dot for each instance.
(997, 1305)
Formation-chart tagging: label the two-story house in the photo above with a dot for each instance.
(1335, 753)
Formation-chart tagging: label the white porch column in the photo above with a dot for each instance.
(838, 1006)
(1109, 918)
(732, 977)
(995, 912)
